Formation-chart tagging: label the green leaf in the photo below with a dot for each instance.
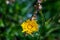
(1, 23)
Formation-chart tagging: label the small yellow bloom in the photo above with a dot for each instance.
(29, 26)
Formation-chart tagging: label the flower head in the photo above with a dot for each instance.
(29, 26)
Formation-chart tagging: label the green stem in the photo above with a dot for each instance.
(43, 24)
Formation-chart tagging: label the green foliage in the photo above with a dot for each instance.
(13, 14)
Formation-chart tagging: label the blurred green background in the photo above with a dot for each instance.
(14, 12)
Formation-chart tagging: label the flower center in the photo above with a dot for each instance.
(29, 26)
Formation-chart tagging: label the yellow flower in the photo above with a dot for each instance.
(29, 26)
